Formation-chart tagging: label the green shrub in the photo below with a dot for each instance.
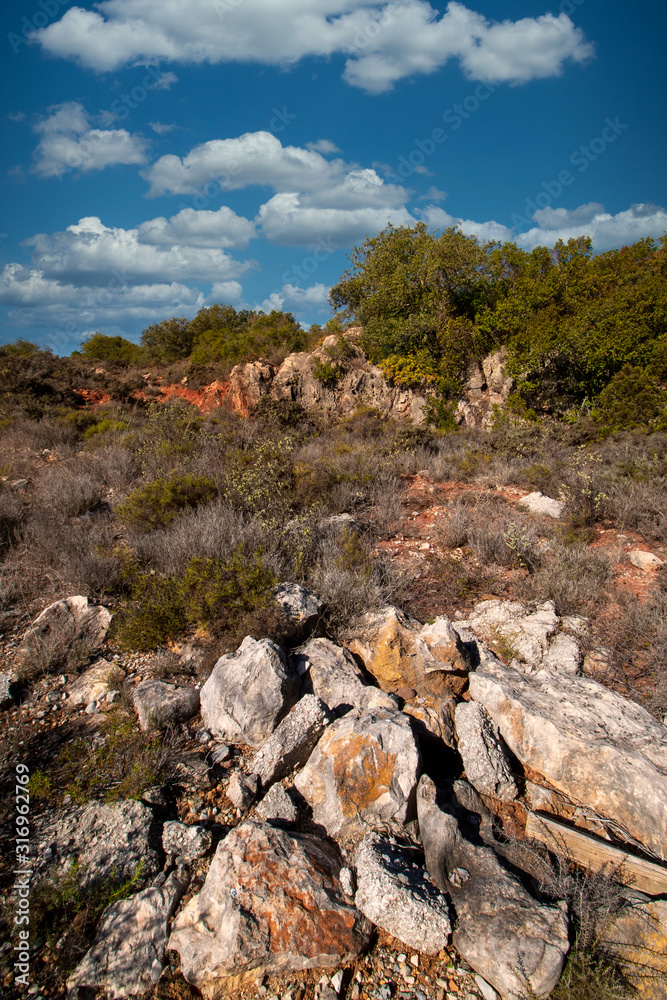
(633, 398)
(157, 503)
(105, 426)
(219, 596)
(100, 347)
(327, 372)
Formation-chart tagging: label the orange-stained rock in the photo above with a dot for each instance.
(638, 937)
(400, 652)
(271, 902)
(363, 773)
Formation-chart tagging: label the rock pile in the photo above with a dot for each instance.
(380, 790)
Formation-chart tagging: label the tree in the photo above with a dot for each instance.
(100, 347)
(170, 340)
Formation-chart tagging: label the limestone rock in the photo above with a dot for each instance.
(242, 789)
(291, 744)
(362, 773)
(485, 759)
(7, 679)
(331, 673)
(538, 503)
(564, 655)
(101, 838)
(637, 937)
(400, 652)
(595, 747)
(644, 560)
(395, 893)
(437, 717)
(502, 932)
(271, 902)
(71, 620)
(159, 705)
(277, 807)
(93, 684)
(128, 954)
(248, 692)
(300, 607)
(185, 842)
(523, 632)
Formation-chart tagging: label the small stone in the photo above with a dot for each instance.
(486, 989)
(337, 980)
(414, 959)
(644, 560)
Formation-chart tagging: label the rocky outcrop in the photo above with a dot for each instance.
(515, 630)
(74, 620)
(277, 807)
(400, 652)
(159, 705)
(358, 383)
(186, 843)
(95, 684)
(248, 692)
(291, 744)
(511, 939)
(271, 902)
(127, 957)
(487, 386)
(587, 742)
(331, 673)
(484, 757)
(363, 773)
(395, 893)
(301, 608)
(637, 938)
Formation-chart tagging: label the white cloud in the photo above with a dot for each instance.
(90, 253)
(226, 291)
(605, 230)
(433, 194)
(323, 146)
(16, 116)
(192, 228)
(69, 143)
(383, 41)
(161, 127)
(286, 220)
(293, 296)
(165, 81)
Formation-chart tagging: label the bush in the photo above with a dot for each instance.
(99, 347)
(157, 503)
(220, 596)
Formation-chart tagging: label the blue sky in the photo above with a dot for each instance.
(160, 156)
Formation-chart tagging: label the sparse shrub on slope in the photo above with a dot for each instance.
(157, 503)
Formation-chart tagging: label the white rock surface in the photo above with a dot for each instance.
(537, 503)
(185, 842)
(644, 560)
(290, 745)
(159, 705)
(484, 756)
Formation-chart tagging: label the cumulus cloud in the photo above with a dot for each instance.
(89, 253)
(70, 143)
(293, 296)
(605, 230)
(192, 228)
(383, 42)
(323, 146)
(287, 220)
(226, 291)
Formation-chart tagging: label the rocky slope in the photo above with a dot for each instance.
(356, 822)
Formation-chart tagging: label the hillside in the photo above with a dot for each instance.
(371, 604)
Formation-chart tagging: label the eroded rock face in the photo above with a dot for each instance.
(271, 902)
(277, 807)
(637, 937)
(395, 893)
(597, 748)
(400, 652)
(485, 759)
(291, 744)
(248, 692)
(127, 957)
(185, 842)
(332, 674)
(362, 773)
(502, 932)
(159, 705)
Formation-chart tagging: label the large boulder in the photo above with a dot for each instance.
(396, 894)
(331, 672)
(291, 744)
(515, 630)
(159, 705)
(363, 773)
(399, 652)
(272, 902)
(248, 693)
(101, 839)
(485, 759)
(600, 750)
(71, 622)
(516, 943)
(127, 957)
